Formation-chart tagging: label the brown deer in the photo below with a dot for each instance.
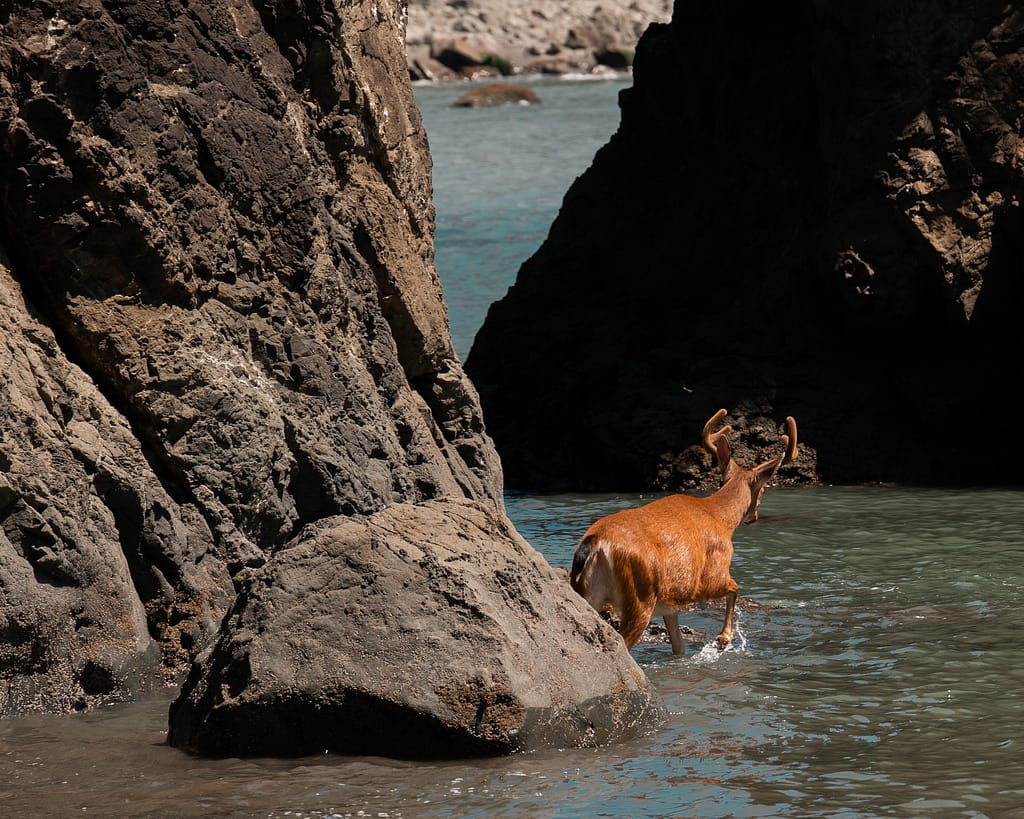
(659, 558)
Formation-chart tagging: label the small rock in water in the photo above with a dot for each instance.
(498, 93)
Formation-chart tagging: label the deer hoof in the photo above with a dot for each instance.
(723, 642)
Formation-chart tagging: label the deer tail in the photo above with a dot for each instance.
(579, 559)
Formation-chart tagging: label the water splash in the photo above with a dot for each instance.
(709, 653)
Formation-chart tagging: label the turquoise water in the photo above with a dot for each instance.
(879, 674)
(499, 177)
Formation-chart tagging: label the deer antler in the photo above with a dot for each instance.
(790, 441)
(711, 439)
(717, 443)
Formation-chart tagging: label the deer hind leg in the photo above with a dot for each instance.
(730, 613)
(674, 635)
(634, 616)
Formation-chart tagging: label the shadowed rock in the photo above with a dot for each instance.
(813, 207)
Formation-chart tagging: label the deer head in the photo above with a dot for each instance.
(757, 478)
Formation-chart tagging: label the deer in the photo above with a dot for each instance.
(659, 558)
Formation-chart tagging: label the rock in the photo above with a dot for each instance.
(424, 631)
(423, 66)
(459, 54)
(228, 385)
(96, 558)
(469, 61)
(602, 30)
(818, 215)
(221, 320)
(496, 93)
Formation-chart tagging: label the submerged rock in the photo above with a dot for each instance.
(496, 93)
(422, 631)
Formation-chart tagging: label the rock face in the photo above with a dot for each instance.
(399, 635)
(808, 209)
(221, 326)
(472, 38)
(95, 556)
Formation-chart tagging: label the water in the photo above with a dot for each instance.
(499, 178)
(881, 673)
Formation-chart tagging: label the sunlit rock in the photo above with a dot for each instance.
(424, 631)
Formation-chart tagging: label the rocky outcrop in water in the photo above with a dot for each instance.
(221, 326)
(497, 93)
(809, 210)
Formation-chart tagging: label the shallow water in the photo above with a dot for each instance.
(881, 675)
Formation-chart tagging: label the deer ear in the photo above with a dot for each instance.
(724, 453)
(766, 471)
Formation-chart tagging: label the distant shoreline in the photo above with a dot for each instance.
(534, 77)
(477, 39)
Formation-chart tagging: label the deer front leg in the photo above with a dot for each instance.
(730, 611)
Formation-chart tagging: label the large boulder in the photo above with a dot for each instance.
(809, 209)
(428, 630)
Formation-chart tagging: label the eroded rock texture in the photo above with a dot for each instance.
(222, 320)
(809, 208)
(397, 635)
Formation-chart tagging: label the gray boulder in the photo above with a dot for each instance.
(429, 630)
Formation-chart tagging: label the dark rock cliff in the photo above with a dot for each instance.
(809, 208)
(221, 327)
